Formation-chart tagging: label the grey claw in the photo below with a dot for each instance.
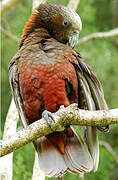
(103, 128)
(47, 115)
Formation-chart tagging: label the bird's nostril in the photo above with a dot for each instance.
(76, 32)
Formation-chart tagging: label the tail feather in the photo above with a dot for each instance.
(91, 139)
(76, 157)
(50, 159)
(91, 132)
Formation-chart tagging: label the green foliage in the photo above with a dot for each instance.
(105, 167)
(23, 162)
(101, 54)
(9, 48)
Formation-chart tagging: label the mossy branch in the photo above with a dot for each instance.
(64, 117)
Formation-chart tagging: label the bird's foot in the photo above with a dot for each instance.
(47, 115)
(103, 128)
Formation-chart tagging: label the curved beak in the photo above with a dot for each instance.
(73, 39)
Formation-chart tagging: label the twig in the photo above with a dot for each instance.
(6, 24)
(97, 35)
(73, 4)
(64, 117)
(9, 34)
(10, 129)
(109, 149)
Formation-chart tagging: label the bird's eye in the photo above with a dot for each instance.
(65, 23)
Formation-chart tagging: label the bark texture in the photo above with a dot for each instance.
(9, 130)
(64, 117)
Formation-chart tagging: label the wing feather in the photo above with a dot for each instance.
(14, 82)
(94, 100)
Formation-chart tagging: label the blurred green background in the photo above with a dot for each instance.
(101, 54)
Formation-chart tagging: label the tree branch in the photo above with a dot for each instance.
(97, 35)
(9, 34)
(73, 4)
(10, 129)
(64, 117)
(108, 147)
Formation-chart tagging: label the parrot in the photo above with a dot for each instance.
(47, 73)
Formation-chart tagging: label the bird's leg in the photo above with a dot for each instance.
(47, 115)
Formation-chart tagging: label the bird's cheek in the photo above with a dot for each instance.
(61, 36)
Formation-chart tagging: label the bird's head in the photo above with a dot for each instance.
(62, 23)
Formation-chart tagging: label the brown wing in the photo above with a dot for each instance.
(91, 97)
(89, 85)
(14, 82)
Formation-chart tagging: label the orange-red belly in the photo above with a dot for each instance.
(43, 87)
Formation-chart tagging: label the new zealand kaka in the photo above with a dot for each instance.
(46, 73)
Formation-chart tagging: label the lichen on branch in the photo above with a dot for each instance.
(64, 117)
